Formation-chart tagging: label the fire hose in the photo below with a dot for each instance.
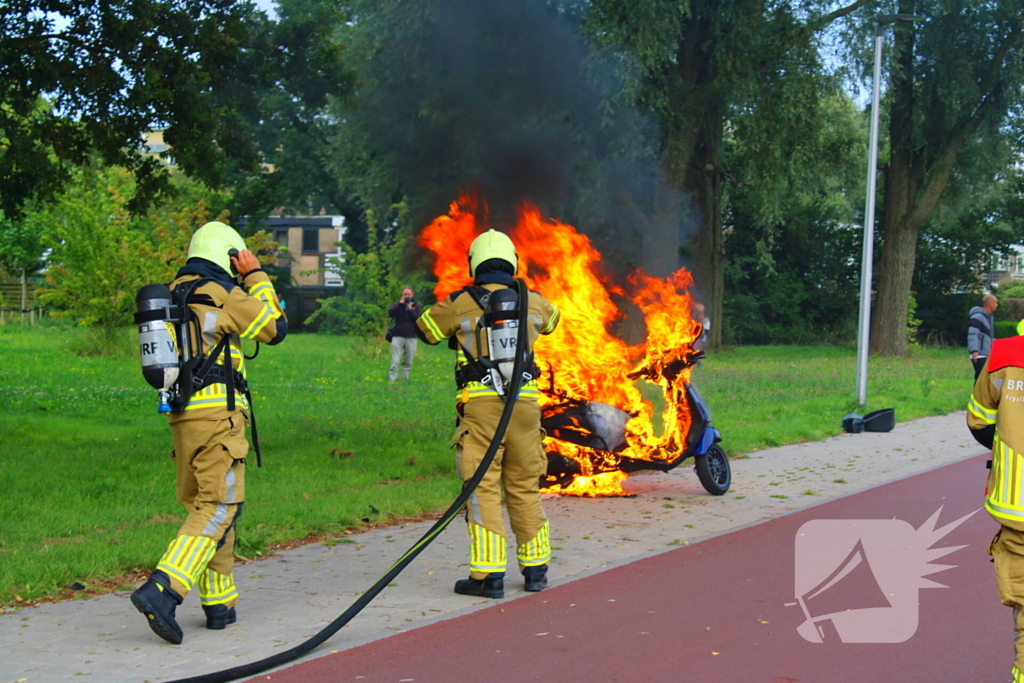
(440, 525)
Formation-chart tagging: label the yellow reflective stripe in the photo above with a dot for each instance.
(171, 570)
(259, 323)
(215, 396)
(471, 389)
(1005, 494)
(264, 291)
(1005, 464)
(487, 550)
(260, 289)
(216, 588)
(981, 411)
(187, 557)
(432, 327)
(553, 321)
(537, 550)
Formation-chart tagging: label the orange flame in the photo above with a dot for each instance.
(582, 360)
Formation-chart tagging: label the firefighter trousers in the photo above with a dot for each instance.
(1007, 550)
(210, 458)
(517, 467)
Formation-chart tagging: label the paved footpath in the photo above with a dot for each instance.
(631, 588)
(715, 611)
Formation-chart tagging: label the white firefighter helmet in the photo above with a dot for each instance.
(492, 244)
(213, 241)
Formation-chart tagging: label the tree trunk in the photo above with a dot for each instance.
(703, 216)
(692, 148)
(902, 180)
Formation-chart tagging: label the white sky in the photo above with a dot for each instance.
(268, 6)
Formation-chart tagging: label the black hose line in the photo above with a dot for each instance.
(294, 653)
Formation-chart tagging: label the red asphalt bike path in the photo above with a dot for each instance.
(715, 611)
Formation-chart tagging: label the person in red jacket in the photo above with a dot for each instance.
(995, 416)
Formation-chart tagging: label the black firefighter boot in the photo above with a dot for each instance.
(491, 587)
(157, 601)
(219, 616)
(536, 578)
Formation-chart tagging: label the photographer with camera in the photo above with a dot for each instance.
(402, 334)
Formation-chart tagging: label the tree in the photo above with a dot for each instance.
(793, 267)
(700, 62)
(293, 125)
(111, 69)
(954, 79)
(99, 260)
(101, 253)
(21, 249)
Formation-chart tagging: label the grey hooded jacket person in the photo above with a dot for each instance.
(980, 332)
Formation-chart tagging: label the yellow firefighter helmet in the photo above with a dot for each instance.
(492, 244)
(213, 241)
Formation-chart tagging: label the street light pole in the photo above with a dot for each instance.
(864, 323)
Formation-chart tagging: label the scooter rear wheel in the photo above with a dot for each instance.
(713, 470)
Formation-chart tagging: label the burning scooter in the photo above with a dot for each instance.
(598, 436)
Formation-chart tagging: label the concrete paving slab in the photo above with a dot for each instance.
(288, 597)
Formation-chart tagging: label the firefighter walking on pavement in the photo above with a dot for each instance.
(520, 460)
(995, 415)
(228, 297)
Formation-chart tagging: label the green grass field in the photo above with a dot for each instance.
(88, 484)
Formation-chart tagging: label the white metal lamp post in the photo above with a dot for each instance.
(864, 323)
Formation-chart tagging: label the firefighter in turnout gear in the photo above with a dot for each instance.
(520, 461)
(995, 415)
(210, 445)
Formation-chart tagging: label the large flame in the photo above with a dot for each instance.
(582, 360)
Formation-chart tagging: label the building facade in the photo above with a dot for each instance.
(307, 260)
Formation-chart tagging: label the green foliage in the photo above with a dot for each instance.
(793, 272)
(913, 323)
(99, 260)
(21, 245)
(1011, 292)
(230, 88)
(1005, 328)
(977, 218)
(102, 254)
(373, 279)
(114, 69)
(291, 125)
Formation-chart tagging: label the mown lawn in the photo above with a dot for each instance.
(88, 484)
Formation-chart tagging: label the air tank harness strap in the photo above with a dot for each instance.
(211, 373)
(478, 369)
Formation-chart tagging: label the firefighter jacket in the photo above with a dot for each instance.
(223, 309)
(457, 317)
(995, 415)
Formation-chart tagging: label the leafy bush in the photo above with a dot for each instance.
(1011, 292)
(102, 253)
(1005, 328)
(1012, 308)
(944, 317)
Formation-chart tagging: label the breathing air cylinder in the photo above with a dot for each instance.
(503, 331)
(158, 347)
